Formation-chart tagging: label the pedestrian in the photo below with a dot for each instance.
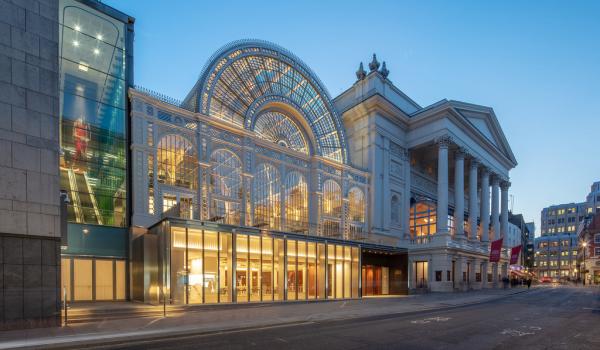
(528, 283)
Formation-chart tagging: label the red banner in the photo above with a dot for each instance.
(514, 254)
(495, 250)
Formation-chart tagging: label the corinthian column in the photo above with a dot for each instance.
(442, 185)
(504, 185)
(495, 207)
(459, 194)
(473, 206)
(485, 205)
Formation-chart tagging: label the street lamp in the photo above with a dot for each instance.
(584, 245)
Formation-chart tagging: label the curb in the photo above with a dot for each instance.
(106, 341)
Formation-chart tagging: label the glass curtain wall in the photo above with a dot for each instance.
(267, 194)
(296, 202)
(176, 162)
(93, 123)
(225, 187)
(332, 209)
(204, 265)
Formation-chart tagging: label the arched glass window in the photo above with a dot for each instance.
(267, 193)
(225, 187)
(395, 207)
(422, 219)
(332, 199)
(176, 162)
(280, 129)
(356, 205)
(296, 202)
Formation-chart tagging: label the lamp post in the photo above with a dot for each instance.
(584, 245)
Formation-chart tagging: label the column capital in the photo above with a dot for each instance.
(405, 154)
(475, 163)
(461, 153)
(495, 178)
(444, 141)
(504, 185)
(485, 170)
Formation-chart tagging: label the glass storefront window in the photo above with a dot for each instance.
(331, 271)
(267, 269)
(321, 269)
(82, 279)
(339, 271)
(311, 261)
(347, 272)
(279, 269)
(178, 260)
(195, 266)
(211, 266)
(241, 268)
(225, 267)
(255, 265)
(120, 279)
(104, 279)
(302, 272)
(355, 271)
(65, 281)
(291, 270)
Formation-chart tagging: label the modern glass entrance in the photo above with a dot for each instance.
(207, 264)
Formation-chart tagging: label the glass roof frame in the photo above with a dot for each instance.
(245, 71)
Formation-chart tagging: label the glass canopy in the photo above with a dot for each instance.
(243, 78)
(280, 129)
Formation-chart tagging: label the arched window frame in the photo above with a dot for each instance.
(356, 205)
(332, 199)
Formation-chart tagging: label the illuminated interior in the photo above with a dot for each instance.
(422, 219)
(176, 162)
(226, 187)
(278, 128)
(267, 197)
(205, 266)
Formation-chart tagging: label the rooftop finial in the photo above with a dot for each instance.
(361, 73)
(374, 65)
(384, 71)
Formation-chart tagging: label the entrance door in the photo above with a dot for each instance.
(421, 273)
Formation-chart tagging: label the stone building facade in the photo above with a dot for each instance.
(30, 228)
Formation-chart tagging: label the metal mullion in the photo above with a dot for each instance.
(260, 269)
(233, 267)
(285, 260)
(296, 274)
(307, 269)
(187, 269)
(326, 270)
(272, 268)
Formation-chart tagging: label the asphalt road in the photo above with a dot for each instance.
(545, 318)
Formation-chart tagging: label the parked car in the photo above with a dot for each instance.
(546, 280)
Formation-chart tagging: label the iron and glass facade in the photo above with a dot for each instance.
(95, 59)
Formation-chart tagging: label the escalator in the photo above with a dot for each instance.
(83, 207)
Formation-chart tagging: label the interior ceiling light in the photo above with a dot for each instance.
(83, 66)
(99, 36)
(77, 28)
(96, 52)
(75, 43)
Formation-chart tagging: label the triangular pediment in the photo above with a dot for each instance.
(481, 122)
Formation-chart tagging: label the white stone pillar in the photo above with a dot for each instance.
(459, 194)
(495, 207)
(406, 197)
(473, 205)
(442, 185)
(386, 198)
(504, 210)
(485, 205)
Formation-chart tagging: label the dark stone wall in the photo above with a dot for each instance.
(29, 281)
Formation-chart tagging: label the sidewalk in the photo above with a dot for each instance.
(213, 319)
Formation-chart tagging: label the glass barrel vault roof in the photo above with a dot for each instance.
(244, 76)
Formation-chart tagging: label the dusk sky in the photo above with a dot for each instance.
(536, 63)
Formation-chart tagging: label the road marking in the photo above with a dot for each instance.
(431, 319)
(592, 308)
(515, 333)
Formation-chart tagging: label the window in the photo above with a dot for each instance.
(597, 251)
(278, 128)
(356, 205)
(597, 238)
(296, 202)
(395, 208)
(176, 162)
(225, 187)
(332, 199)
(267, 196)
(150, 185)
(422, 219)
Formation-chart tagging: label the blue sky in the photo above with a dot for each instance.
(536, 63)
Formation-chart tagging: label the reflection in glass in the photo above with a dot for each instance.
(241, 268)
(311, 261)
(195, 266)
(347, 272)
(302, 272)
(296, 202)
(176, 162)
(225, 267)
(255, 265)
(279, 269)
(177, 263)
(226, 187)
(267, 269)
(267, 191)
(331, 275)
(211, 283)
(321, 268)
(292, 286)
(339, 271)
